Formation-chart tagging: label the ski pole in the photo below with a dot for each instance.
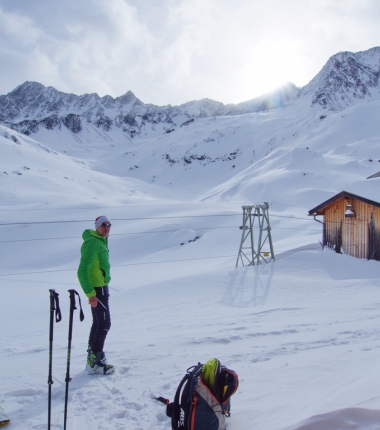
(81, 317)
(54, 306)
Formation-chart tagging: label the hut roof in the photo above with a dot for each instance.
(320, 209)
(376, 175)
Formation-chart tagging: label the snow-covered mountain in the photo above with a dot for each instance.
(210, 150)
(32, 106)
(326, 136)
(346, 79)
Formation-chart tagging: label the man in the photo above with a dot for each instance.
(94, 276)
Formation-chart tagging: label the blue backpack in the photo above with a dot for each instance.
(202, 400)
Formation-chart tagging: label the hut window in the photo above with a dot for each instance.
(349, 211)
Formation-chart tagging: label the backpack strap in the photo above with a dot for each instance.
(185, 398)
(175, 410)
(179, 409)
(172, 409)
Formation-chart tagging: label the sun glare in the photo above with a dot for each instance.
(272, 64)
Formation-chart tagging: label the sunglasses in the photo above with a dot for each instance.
(104, 225)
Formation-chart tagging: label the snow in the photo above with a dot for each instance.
(301, 332)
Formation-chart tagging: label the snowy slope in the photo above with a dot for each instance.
(31, 172)
(302, 333)
(312, 156)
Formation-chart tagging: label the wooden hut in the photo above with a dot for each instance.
(351, 225)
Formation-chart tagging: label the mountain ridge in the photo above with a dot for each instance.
(346, 78)
(31, 105)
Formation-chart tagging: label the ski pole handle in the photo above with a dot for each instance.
(54, 305)
(73, 304)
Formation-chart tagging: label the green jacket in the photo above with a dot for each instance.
(94, 266)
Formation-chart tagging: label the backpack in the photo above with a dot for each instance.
(202, 399)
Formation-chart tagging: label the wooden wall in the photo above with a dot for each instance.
(358, 236)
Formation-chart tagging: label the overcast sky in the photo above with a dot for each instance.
(174, 51)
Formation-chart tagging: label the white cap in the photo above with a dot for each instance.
(99, 220)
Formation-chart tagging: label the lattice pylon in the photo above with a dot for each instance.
(250, 253)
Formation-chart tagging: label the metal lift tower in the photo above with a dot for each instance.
(248, 253)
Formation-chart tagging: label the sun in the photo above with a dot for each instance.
(274, 63)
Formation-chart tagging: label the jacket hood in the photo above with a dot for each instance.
(92, 233)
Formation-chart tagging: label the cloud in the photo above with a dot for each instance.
(173, 51)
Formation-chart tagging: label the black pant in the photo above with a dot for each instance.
(101, 320)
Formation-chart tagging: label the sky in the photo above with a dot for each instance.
(175, 51)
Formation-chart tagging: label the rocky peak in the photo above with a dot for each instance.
(22, 96)
(346, 78)
(126, 99)
(27, 89)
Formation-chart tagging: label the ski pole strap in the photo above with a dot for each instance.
(54, 305)
(81, 314)
(72, 303)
